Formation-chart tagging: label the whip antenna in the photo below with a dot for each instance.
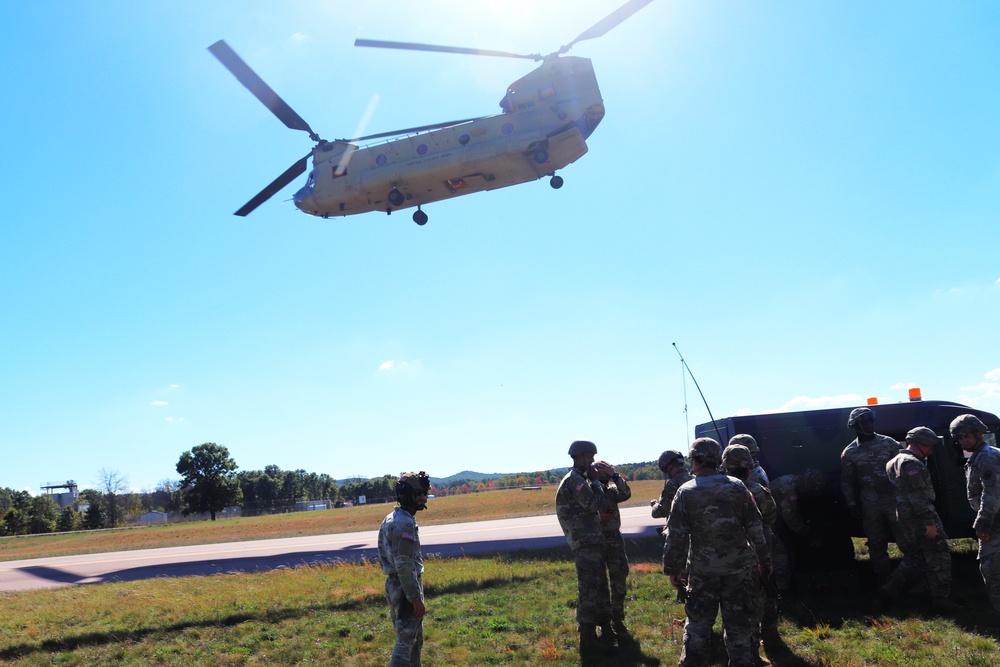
(718, 433)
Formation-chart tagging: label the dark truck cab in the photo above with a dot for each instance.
(791, 442)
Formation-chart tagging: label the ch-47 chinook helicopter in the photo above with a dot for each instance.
(546, 118)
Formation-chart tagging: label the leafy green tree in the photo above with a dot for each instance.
(43, 514)
(208, 479)
(93, 518)
(69, 519)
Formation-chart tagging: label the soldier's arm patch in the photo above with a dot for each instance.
(581, 485)
(913, 471)
(407, 545)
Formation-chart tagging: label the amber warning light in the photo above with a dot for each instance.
(872, 400)
(915, 394)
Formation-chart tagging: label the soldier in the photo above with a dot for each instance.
(786, 491)
(578, 501)
(982, 473)
(738, 462)
(866, 486)
(923, 540)
(713, 523)
(403, 565)
(671, 464)
(616, 490)
(757, 473)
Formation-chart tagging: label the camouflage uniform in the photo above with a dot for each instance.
(863, 480)
(578, 501)
(712, 523)
(399, 553)
(766, 614)
(983, 477)
(661, 508)
(616, 490)
(758, 476)
(785, 491)
(922, 557)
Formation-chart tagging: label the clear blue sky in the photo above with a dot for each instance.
(805, 197)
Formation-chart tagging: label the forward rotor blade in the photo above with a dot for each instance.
(290, 175)
(260, 90)
(411, 46)
(608, 22)
(413, 129)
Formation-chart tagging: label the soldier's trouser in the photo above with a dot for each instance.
(781, 559)
(409, 631)
(923, 559)
(592, 602)
(878, 517)
(733, 594)
(616, 562)
(989, 567)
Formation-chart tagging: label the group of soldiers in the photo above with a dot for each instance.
(728, 528)
(724, 535)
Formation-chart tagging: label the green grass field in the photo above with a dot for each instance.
(509, 609)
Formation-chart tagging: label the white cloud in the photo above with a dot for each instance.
(386, 365)
(903, 385)
(390, 365)
(810, 403)
(300, 37)
(159, 403)
(993, 374)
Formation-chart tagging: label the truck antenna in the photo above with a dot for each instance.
(718, 433)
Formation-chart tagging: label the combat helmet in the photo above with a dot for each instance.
(582, 447)
(411, 485)
(746, 440)
(967, 424)
(921, 435)
(707, 450)
(669, 458)
(737, 456)
(860, 414)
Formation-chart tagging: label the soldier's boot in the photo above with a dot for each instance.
(621, 631)
(889, 593)
(607, 638)
(589, 643)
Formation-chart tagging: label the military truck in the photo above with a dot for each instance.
(791, 442)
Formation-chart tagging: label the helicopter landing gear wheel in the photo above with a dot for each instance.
(420, 217)
(541, 156)
(396, 197)
(556, 182)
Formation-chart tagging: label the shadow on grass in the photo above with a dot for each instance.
(269, 615)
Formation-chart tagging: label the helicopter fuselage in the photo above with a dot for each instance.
(547, 116)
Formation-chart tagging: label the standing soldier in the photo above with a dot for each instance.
(578, 502)
(616, 490)
(983, 477)
(923, 540)
(738, 462)
(786, 491)
(713, 523)
(866, 486)
(757, 473)
(671, 464)
(399, 553)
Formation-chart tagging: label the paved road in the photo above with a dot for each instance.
(452, 539)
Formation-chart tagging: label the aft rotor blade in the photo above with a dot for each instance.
(608, 22)
(413, 129)
(260, 90)
(277, 184)
(412, 46)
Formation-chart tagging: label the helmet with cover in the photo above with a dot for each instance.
(966, 424)
(669, 458)
(737, 456)
(411, 485)
(921, 435)
(582, 447)
(746, 440)
(707, 451)
(860, 415)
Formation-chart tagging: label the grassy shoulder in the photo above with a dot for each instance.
(499, 504)
(509, 609)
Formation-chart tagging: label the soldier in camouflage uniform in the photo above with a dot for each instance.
(923, 541)
(671, 464)
(786, 491)
(738, 462)
(715, 529)
(982, 473)
(403, 565)
(866, 487)
(757, 473)
(578, 502)
(616, 490)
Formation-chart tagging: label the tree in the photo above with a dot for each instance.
(93, 518)
(112, 483)
(43, 514)
(208, 480)
(69, 520)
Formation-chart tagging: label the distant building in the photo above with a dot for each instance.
(68, 492)
(309, 505)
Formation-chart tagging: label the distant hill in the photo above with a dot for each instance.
(467, 476)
